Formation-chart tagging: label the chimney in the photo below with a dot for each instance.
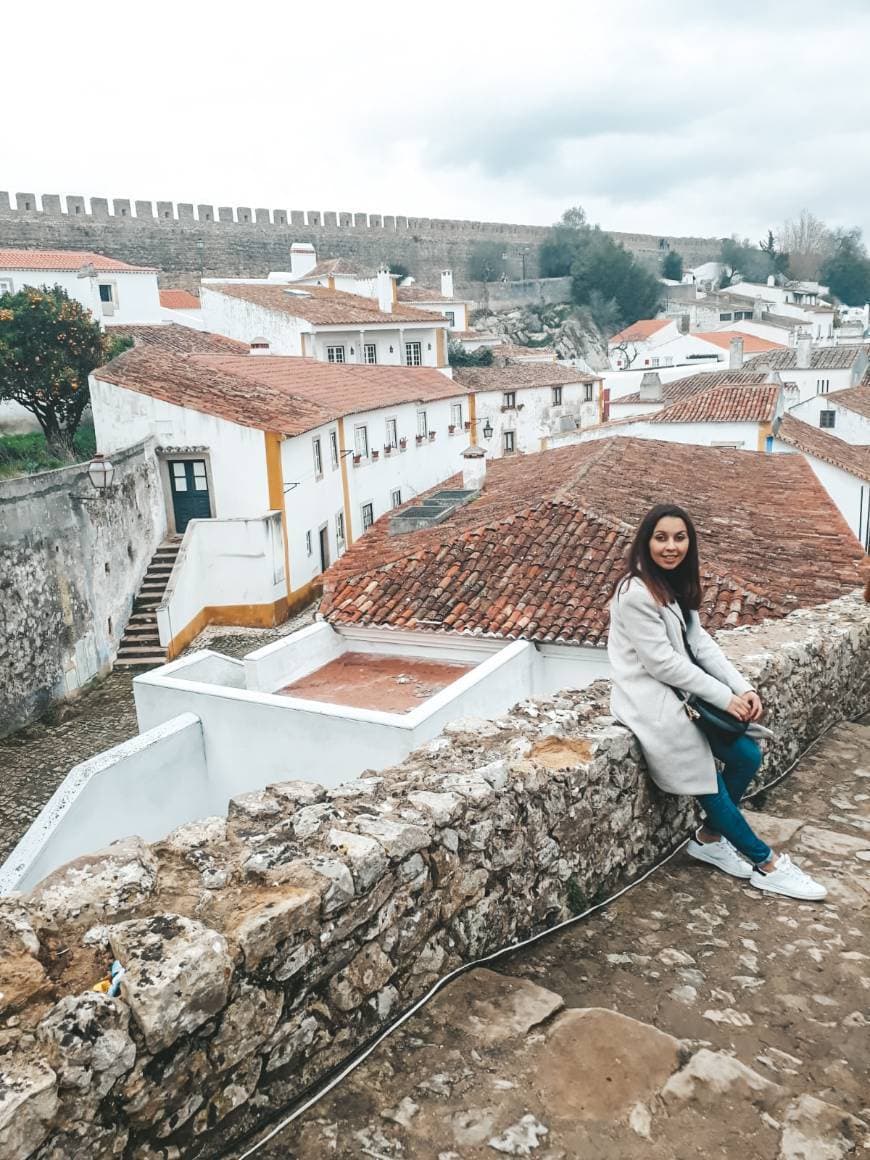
(771, 281)
(303, 258)
(757, 309)
(473, 468)
(651, 388)
(259, 346)
(735, 354)
(385, 290)
(447, 283)
(803, 354)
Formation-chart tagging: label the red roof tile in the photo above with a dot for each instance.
(727, 404)
(679, 389)
(66, 260)
(823, 445)
(539, 552)
(320, 305)
(752, 344)
(272, 393)
(173, 338)
(855, 399)
(179, 300)
(642, 329)
(514, 375)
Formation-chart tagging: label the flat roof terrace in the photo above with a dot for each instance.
(366, 681)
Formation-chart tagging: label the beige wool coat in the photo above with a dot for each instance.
(648, 660)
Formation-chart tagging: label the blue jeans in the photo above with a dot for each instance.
(741, 760)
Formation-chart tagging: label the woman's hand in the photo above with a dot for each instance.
(740, 708)
(754, 701)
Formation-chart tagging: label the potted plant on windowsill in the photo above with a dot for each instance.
(388, 447)
(467, 424)
(357, 459)
(451, 429)
(375, 453)
(431, 436)
(403, 443)
(419, 439)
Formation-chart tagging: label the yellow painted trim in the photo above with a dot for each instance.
(345, 484)
(472, 416)
(394, 282)
(275, 484)
(764, 429)
(440, 348)
(543, 446)
(330, 283)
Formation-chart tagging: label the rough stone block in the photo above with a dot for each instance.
(177, 977)
(144, 209)
(247, 1023)
(399, 839)
(51, 203)
(121, 207)
(25, 202)
(4, 200)
(279, 217)
(329, 218)
(389, 222)
(22, 977)
(185, 211)
(165, 211)
(260, 928)
(225, 213)
(100, 207)
(345, 219)
(361, 220)
(313, 217)
(374, 221)
(86, 1041)
(297, 793)
(28, 1102)
(297, 217)
(365, 856)
(75, 205)
(243, 213)
(205, 213)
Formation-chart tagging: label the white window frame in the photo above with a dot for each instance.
(333, 447)
(367, 512)
(340, 536)
(317, 451)
(6, 286)
(392, 436)
(506, 438)
(112, 300)
(361, 440)
(509, 400)
(557, 397)
(422, 424)
(450, 315)
(336, 354)
(455, 414)
(413, 354)
(309, 548)
(396, 497)
(370, 353)
(588, 392)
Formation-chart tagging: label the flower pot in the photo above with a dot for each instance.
(467, 424)
(375, 454)
(431, 436)
(357, 459)
(451, 429)
(419, 439)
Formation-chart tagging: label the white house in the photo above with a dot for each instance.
(800, 300)
(116, 293)
(328, 325)
(845, 414)
(632, 345)
(815, 370)
(842, 467)
(182, 307)
(705, 348)
(658, 389)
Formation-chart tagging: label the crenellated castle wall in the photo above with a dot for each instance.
(187, 242)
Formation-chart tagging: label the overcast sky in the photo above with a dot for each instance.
(681, 118)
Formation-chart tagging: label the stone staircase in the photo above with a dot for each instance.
(140, 644)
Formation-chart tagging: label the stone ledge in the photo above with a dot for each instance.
(263, 951)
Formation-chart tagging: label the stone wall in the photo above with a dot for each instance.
(70, 564)
(262, 948)
(187, 244)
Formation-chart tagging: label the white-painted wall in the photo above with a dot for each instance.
(223, 562)
(146, 786)
(848, 425)
(850, 493)
(743, 436)
(535, 418)
(621, 383)
(136, 299)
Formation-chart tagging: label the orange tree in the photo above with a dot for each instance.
(49, 344)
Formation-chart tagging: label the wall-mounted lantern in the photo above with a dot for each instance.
(487, 430)
(101, 472)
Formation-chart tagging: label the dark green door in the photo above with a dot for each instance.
(190, 499)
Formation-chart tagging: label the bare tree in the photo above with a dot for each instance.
(625, 353)
(807, 241)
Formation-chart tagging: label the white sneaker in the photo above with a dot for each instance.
(722, 855)
(788, 879)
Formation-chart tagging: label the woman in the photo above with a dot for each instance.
(655, 603)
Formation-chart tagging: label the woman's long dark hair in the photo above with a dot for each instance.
(683, 583)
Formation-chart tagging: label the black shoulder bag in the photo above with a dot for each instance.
(717, 724)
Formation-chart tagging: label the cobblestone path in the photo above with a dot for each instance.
(692, 1017)
(35, 760)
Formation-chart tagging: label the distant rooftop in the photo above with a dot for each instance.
(179, 300)
(642, 329)
(822, 358)
(752, 344)
(66, 260)
(680, 389)
(821, 444)
(725, 404)
(320, 305)
(527, 374)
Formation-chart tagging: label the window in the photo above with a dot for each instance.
(333, 448)
(823, 386)
(509, 443)
(396, 498)
(368, 515)
(557, 396)
(106, 294)
(509, 399)
(178, 477)
(654, 362)
(413, 354)
(455, 414)
(725, 317)
(392, 433)
(318, 457)
(450, 315)
(5, 285)
(308, 548)
(827, 418)
(422, 428)
(370, 353)
(588, 392)
(361, 441)
(339, 532)
(335, 354)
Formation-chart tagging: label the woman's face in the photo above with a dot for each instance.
(669, 543)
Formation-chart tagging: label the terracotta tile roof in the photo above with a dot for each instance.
(821, 444)
(508, 378)
(179, 300)
(270, 392)
(642, 329)
(726, 404)
(823, 358)
(855, 399)
(752, 344)
(538, 553)
(322, 306)
(174, 338)
(66, 260)
(423, 294)
(680, 389)
(332, 266)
